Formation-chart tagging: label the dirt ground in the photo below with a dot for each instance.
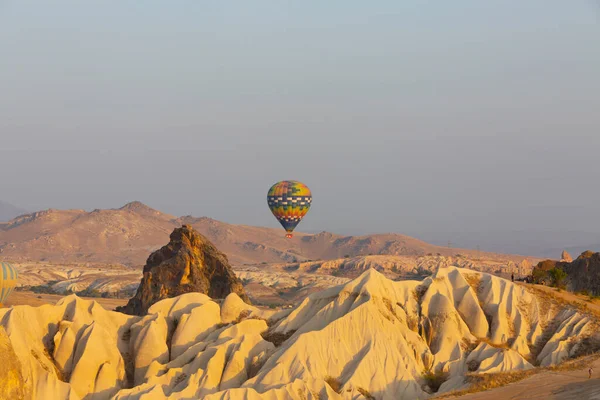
(572, 298)
(555, 385)
(34, 299)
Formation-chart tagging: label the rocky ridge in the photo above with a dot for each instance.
(128, 234)
(370, 337)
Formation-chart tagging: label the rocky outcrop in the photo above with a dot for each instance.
(525, 267)
(566, 257)
(189, 263)
(583, 274)
(370, 335)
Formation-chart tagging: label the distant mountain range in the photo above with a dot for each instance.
(129, 234)
(8, 211)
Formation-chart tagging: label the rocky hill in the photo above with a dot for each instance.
(128, 234)
(189, 263)
(405, 266)
(369, 338)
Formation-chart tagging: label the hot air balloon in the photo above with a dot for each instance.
(289, 202)
(8, 280)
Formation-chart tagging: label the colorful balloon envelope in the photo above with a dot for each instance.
(8, 280)
(289, 202)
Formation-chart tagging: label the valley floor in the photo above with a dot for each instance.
(552, 385)
(36, 300)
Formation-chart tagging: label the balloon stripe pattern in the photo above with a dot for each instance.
(8, 280)
(289, 202)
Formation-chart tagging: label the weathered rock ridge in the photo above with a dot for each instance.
(367, 338)
(189, 263)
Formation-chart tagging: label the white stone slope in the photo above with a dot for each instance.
(76, 278)
(368, 338)
(392, 266)
(310, 276)
(279, 279)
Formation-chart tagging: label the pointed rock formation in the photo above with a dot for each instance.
(189, 263)
(566, 257)
(525, 267)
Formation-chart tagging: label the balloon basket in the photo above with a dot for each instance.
(289, 236)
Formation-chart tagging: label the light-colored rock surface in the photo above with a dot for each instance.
(272, 284)
(492, 359)
(75, 278)
(566, 257)
(11, 379)
(369, 334)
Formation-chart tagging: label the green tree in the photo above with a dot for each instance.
(557, 277)
(539, 275)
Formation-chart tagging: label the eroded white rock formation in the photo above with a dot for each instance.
(367, 337)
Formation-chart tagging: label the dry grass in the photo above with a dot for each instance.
(243, 315)
(126, 335)
(38, 358)
(277, 338)
(221, 325)
(483, 382)
(256, 364)
(435, 379)
(388, 305)
(486, 340)
(129, 369)
(553, 297)
(419, 292)
(392, 315)
(467, 346)
(474, 281)
(366, 393)
(473, 365)
(586, 346)
(335, 384)
(180, 378)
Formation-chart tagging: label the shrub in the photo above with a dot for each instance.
(277, 338)
(423, 271)
(539, 275)
(44, 289)
(473, 365)
(557, 277)
(435, 379)
(335, 384)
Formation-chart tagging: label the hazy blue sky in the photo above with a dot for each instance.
(436, 119)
